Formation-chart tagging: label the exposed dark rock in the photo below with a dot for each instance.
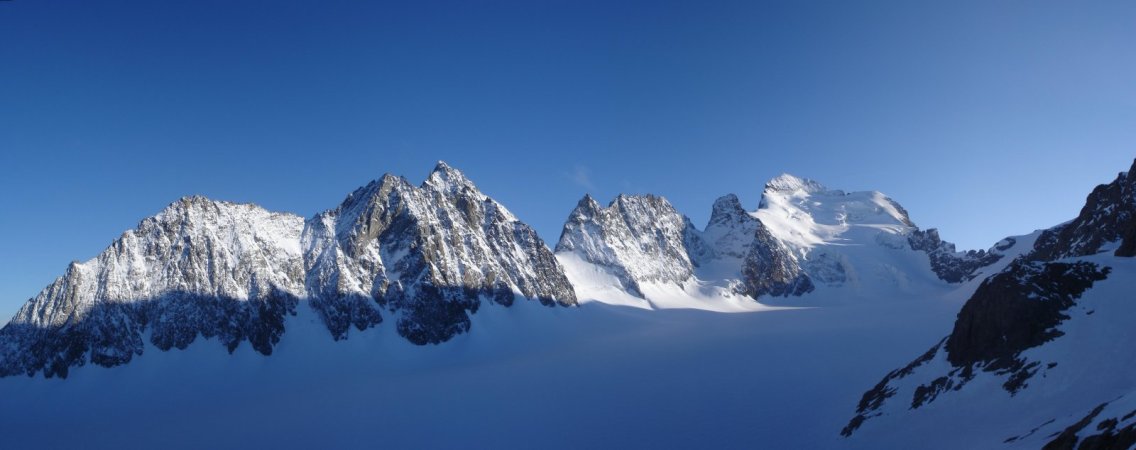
(1017, 309)
(1111, 434)
(874, 398)
(1021, 307)
(771, 269)
(1067, 439)
(730, 230)
(951, 266)
(430, 252)
(111, 333)
(1106, 217)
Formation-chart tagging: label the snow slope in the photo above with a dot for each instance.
(856, 247)
(1091, 365)
(596, 376)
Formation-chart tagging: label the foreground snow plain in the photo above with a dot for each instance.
(598, 375)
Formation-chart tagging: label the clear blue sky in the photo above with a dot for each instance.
(983, 118)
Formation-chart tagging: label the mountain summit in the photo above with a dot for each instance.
(427, 256)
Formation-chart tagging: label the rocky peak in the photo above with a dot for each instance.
(950, 265)
(199, 268)
(640, 238)
(787, 183)
(727, 209)
(1022, 307)
(448, 180)
(428, 254)
(587, 207)
(1108, 218)
(730, 230)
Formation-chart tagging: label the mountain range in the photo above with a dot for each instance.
(1036, 327)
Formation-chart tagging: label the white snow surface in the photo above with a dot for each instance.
(205, 247)
(854, 244)
(593, 376)
(1093, 364)
(805, 214)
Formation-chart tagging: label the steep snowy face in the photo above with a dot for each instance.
(199, 267)
(640, 239)
(1055, 317)
(730, 231)
(804, 213)
(813, 235)
(839, 237)
(428, 254)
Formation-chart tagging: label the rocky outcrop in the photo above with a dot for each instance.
(217, 270)
(771, 269)
(1106, 219)
(427, 256)
(639, 238)
(731, 229)
(1017, 309)
(950, 265)
(1022, 306)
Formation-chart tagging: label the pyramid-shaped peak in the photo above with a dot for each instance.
(446, 178)
(727, 202)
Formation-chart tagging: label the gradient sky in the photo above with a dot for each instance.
(983, 118)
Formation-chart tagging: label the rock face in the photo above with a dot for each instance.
(731, 230)
(767, 266)
(427, 253)
(198, 268)
(771, 268)
(427, 256)
(1021, 307)
(640, 238)
(1116, 431)
(1107, 219)
(950, 265)
(1018, 309)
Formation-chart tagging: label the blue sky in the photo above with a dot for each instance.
(983, 119)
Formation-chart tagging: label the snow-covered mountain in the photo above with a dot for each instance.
(640, 238)
(827, 290)
(803, 236)
(198, 268)
(1040, 354)
(427, 255)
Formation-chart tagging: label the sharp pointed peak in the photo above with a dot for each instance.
(588, 203)
(446, 178)
(441, 166)
(728, 200)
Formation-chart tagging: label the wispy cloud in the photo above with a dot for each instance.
(581, 176)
